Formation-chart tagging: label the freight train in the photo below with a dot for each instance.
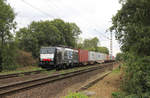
(64, 57)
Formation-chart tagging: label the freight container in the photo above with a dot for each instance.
(92, 56)
(83, 56)
(96, 57)
(104, 56)
(100, 57)
(108, 57)
(113, 58)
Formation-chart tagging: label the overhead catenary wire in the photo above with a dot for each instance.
(38, 9)
(102, 34)
(49, 15)
(54, 6)
(111, 43)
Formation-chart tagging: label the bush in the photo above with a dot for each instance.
(11, 58)
(123, 95)
(76, 95)
(118, 95)
(25, 59)
(8, 55)
(136, 82)
(0, 60)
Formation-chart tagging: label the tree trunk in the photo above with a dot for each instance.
(1, 50)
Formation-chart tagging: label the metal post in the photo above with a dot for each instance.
(111, 51)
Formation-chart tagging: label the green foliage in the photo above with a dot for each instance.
(6, 21)
(117, 70)
(9, 54)
(119, 57)
(76, 95)
(7, 24)
(137, 79)
(0, 59)
(69, 31)
(102, 50)
(92, 45)
(122, 95)
(132, 27)
(118, 95)
(47, 33)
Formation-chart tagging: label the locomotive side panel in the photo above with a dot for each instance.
(75, 57)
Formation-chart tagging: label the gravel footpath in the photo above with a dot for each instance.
(104, 88)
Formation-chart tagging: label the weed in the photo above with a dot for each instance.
(76, 95)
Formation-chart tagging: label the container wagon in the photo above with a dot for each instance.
(92, 57)
(83, 57)
(100, 57)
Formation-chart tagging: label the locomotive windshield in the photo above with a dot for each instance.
(47, 50)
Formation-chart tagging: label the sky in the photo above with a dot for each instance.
(92, 16)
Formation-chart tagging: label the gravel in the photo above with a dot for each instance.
(54, 89)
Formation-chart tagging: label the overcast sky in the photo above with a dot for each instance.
(92, 16)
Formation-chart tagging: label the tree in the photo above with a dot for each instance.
(7, 24)
(69, 31)
(7, 21)
(38, 34)
(102, 50)
(119, 57)
(132, 27)
(9, 55)
(47, 33)
(79, 44)
(91, 44)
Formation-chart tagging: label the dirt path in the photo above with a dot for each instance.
(105, 87)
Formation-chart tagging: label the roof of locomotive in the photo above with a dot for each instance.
(58, 47)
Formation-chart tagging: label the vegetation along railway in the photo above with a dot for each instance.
(58, 58)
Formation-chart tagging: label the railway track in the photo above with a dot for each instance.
(21, 73)
(23, 85)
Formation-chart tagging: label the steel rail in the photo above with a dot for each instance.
(5, 89)
(18, 74)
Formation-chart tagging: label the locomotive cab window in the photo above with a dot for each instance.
(47, 50)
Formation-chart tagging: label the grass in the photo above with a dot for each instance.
(20, 70)
(116, 71)
(35, 68)
(76, 95)
(49, 72)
